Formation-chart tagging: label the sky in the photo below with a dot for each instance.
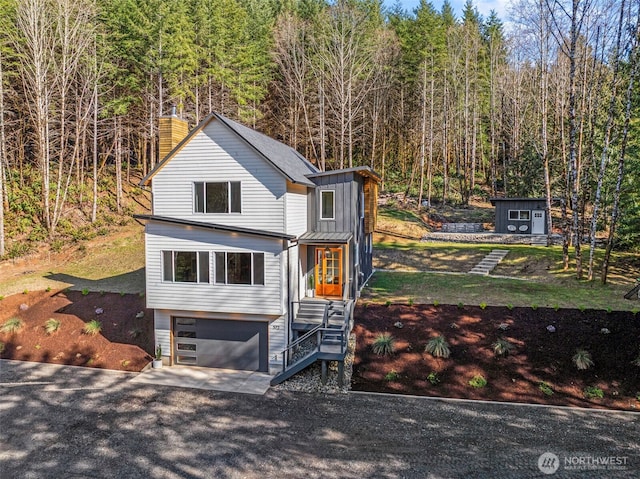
(483, 6)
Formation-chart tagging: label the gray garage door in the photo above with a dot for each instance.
(221, 343)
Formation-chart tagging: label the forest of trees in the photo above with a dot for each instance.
(444, 107)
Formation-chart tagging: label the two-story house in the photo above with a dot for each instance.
(251, 250)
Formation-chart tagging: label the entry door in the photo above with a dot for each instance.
(329, 272)
(537, 222)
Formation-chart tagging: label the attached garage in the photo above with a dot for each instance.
(226, 344)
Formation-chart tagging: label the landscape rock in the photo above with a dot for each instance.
(551, 328)
(398, 325)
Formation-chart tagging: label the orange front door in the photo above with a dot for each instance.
(329, 272)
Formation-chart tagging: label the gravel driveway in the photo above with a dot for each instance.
(67, 422)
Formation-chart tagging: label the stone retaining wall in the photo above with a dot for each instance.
(487, 238)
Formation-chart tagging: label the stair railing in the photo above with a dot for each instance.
(287, 352)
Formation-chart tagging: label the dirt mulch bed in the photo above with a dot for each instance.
(539, 356)
(124, 343)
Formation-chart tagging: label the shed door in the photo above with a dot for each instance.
(214, 343)
(537, 222)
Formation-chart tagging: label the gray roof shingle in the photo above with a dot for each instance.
(285, 159)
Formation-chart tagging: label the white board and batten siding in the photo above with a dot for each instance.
(264, 299)
(216, 154)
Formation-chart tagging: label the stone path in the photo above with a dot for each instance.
(489, 262)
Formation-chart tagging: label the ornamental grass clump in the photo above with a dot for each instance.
(502, 347)
(92, 328)
(384, 344)
(438, 347)
(582, 359)
(12, 325)
(51, 325)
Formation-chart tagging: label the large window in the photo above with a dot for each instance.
(239, 268)
(185, 266)
(327, 205)
(522, 215)
(222, 197)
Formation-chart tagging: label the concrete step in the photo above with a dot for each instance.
(489, 262)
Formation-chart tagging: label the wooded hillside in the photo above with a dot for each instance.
(444, 107)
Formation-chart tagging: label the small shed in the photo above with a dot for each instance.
(520, 215)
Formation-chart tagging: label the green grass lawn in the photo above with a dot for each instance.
(528, 275)
(474, 290)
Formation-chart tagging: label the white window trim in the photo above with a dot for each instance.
(519, 215)
(173, 267)
(214, 274)
(333, 211)
(228, 182)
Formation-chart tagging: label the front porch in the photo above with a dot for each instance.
(329, 274)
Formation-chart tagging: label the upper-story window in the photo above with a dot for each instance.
(185, 266)
(327, 205)
(219, 197)
(522, 215)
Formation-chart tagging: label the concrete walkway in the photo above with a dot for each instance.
(229, 380)
(73, 423)
(489, 262)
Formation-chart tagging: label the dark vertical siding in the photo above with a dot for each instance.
(502, 214)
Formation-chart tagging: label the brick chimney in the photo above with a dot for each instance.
(171, 131)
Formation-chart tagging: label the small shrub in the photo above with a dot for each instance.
(384, 344)
(483, 305)
(135, 333)
(92, 327)
(1, 297)
(387, 303)
(593, 392)
(51, 325)
(37, 346)
(460, 305)
(534, 306)
(122, 293)
(433, 378)
(1, 347)
(410, 302)
(582, 359)
(438, 347)
(159, 351)
(502, 347)
(392, 376)
(12, 325)
(25, 291)
(545, 388)
(125, 362)
(635, 311)
(85, 291)
(509, 306)
(477, 381)
(581, 308)
(48, 290)
(436, 302)
(556, 307)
